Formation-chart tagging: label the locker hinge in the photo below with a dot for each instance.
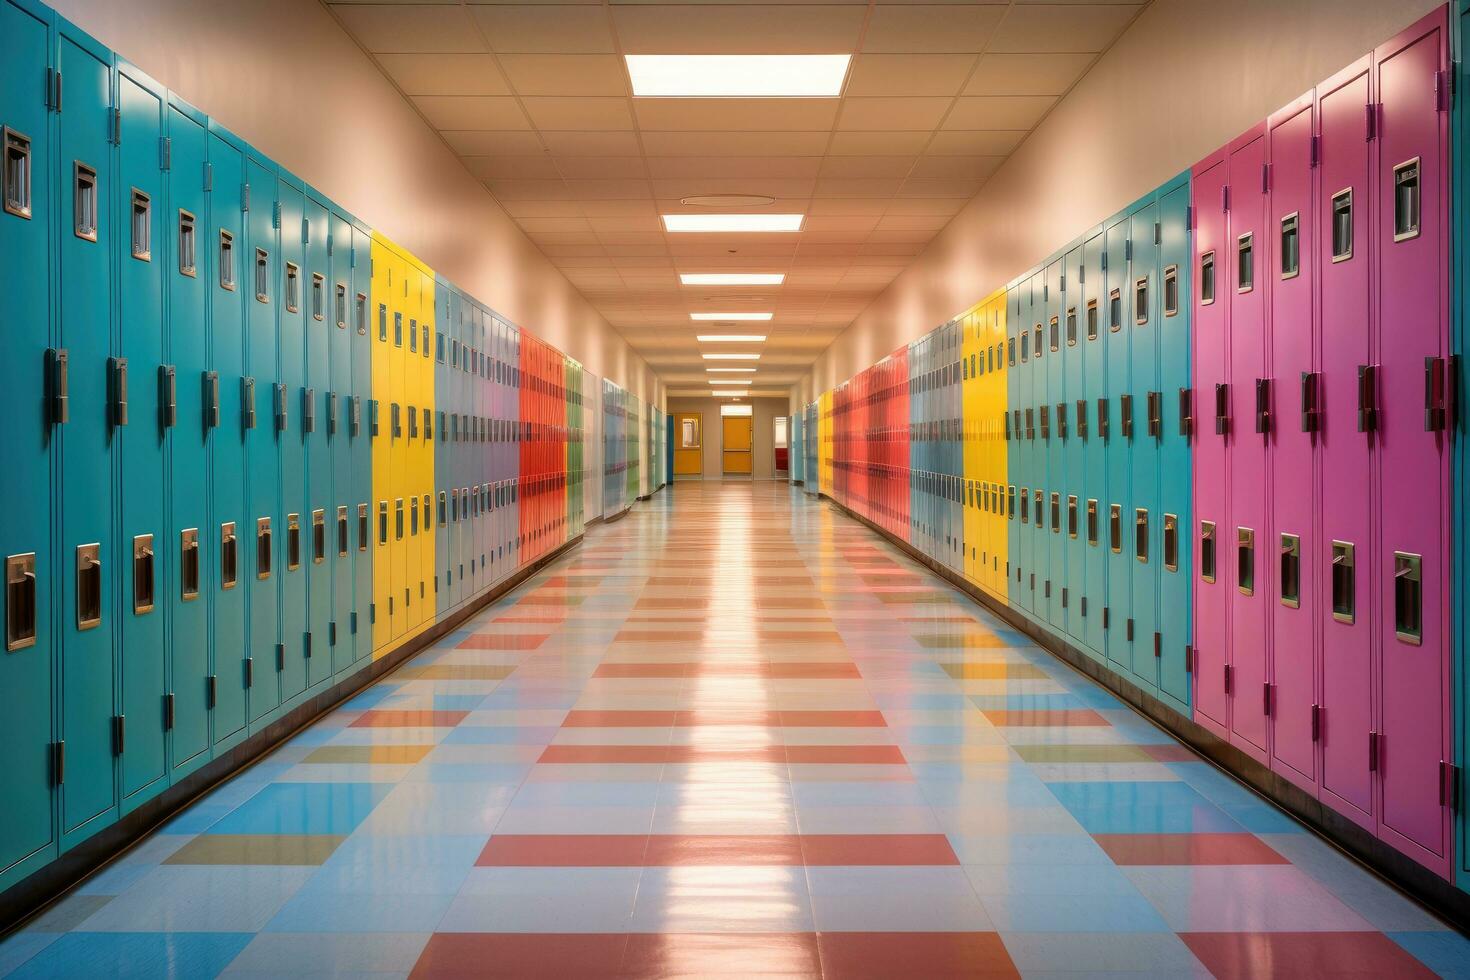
(1225, 198)
(119, 734)
(1158, 233)
(1370, 117)
(209, 176)
(1316, 723)
(1158, 646)
(249, 671)
(1188, 659)
(245, 197)
(1441, 91)
(58, 762)
(280, 657)
(53, 97)
(1128, 249)
(307, 645)
(1375, 746)
(115, 122)
(211, 689)
(168, 712)
(1266, 700)
(332, 633)
(1227, 678)
(1265, 178)
(305, 231)
(1449, 785)
(1314, 150)
(165, 152)
(276, 216)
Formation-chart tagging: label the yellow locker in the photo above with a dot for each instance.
(824, 428)
(995, 412)
(972, 326)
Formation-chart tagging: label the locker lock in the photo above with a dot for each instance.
(247, 402)
(211, 399)
(117, 376)
(20, 601)
(1222, 409)
(168, 397)
(1186, 412)
(58, 385)
(1367, 397)
(1263, 406)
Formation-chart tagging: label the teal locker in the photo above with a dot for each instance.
(1093, 497)
(1025, 435)
(339, 439)
(1071, 424)
(230, 573)
(361, 446)
(188, 391)
(319, 518)
(27, 253)
(140, 434)
(1117, 533)
(1142, 325)
(1015, 444)
(451, 309)
(1175, 481)
(88, 520)
(289, 408)
(1052, 559)
(261, 274)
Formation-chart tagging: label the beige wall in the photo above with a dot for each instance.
(763, 461)
(1188, 76)
(284, 76)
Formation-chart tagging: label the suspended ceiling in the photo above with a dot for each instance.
(535, 98)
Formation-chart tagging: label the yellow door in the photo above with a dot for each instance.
(736, 445)
(689, 445)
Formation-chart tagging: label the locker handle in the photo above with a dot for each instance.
(228, 555)
(89, 586)
(355, 416)
(1367, 397)
(263, 548)
(1082, 419)
(1434, 394)
(211, 399)
(331, 413)
(398, 523)
(247, 402)
(373, 417)
(1408, 597)
(1045, 423)
(1125, 414)
(1062, 420)
(293, 542)
(1291, 571)
(1140, 534)
(58, 384)
(1245, 560)
(362, 527)
(308, 410)
(282, 419)
(142, 574)
(189, 564)
(168, 396)
(1171, 542)
(1222, 409)
(1186, 412)
(117, 373)
(1311, 408)
(20, 601)
(1156, 414)
(318, 536)
(1263, 405)
(1103, 418)
(343, 539)
(397, 415)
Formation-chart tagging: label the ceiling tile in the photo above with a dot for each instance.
(956, 166)
(1062, 27)
(908, 74)
(578, 114)
(998, 111)
(530, 190)
(739, 144)
(878, 143)
(867, 166)
(888, 114)
(769, 187)
(514, 167)
(445, 74)
(736, 114)
(410, 28)
(542, 209)
(613, 209)
(546, 28)
(932, 28)
(566, 74)
(609, 144)
(975, 142)
(848, 205)
(574, 168)
(493, 143)
(1027, 74)
(628, 223)
(471, 112)
(701, 29)
(857, 187)
(540, 225)
(609, 190)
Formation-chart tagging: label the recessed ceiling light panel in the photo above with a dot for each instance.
(737, 76)
(730, 370)
(730, 338)
(732, 278)
(731, 381)
(730, 316)
(731, 357)
(733, 223)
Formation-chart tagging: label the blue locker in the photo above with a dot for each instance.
(1070, 428)
(231, 526)
(140, 435)
(341, 512)
(288, 408)
(1143, 358)
(1025, 435)
(1052, 570)
(1093, 497)
(261, 272)
(186, 383)
(955, 466)
(318, 519)
(27, 254)
(450, 311)
(1116, 531)
(359, 500)
(1175, 479)
(86, 441)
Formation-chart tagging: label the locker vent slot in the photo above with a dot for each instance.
(1140, 534)
(226, 260)
(89, 586)
(84, 202)
(1207, 278)
(142, 226)
(318, 536)
(1115, 311)
(1408, 597)
(1245, 263)
(20, 600)
(1140, 301)
(1171, 542)
(17, 174)
(1291, 246)
(1207, 551)
(262, 276)
(319, 297)
(1245, 560)
(189, 564)
(263, 548)
(1072, 516)
(1291, 571)
(228, 556)
(143, 574)
(1406, 200)
(362, 527)
(1092, 522)
(1115, 528)
(1342, 225)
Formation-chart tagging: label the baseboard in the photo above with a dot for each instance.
(610, 518)
(30, 896)
(1395, 868)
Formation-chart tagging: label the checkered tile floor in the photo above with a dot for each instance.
(734, 733)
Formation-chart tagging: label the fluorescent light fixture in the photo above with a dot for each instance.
(731, 357)
(737, 76)
(731, 370)
(732, 278)
(728, 394)
(731, 381)
(731, 338)
(749, 317)
(733, 222)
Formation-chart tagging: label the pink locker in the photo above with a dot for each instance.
(1346, 505)
(1411, 247)
(1292, 491)
(1249, 572)
(1212, 520)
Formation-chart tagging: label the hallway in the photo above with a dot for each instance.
(734, 732)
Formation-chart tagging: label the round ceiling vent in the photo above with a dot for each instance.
(728, 201)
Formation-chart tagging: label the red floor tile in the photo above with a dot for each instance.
(930, 955)
(656, 636)
(877, 849)
(619, 719)
(603, 754)
(1076, 717)
(733, 954)
(689, 754)
(564, 851)
(680, 850)
(816, 670)
(762, 850)
(1303, 954)
(1192, 849)
(721, 717)
(518, 956)
(889, 755)
(409, 719)
(502, 641)
(833, 719)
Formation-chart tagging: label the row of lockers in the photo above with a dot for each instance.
(1214, 471)
(254, 444)
(621, 468)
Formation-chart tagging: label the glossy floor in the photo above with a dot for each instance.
(734, 733)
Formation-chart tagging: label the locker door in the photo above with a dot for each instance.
(1141, 515)
(1093, 497)
(291, 438)
(342, 504)
(189, 539)
(1410, 230)
(1293, 546)
(362, 500)
(1347, 501)
(1114, 514)
(230, 573)
(423, 450)
(396, 431)
(89, 560)
(319, 516)
(263, 541)
(1024, 579)
(446, 327)
(141, 436)
(1175, 515)
(27, 253)
(1073, 534)
(1052, 575)
(1015, 405)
